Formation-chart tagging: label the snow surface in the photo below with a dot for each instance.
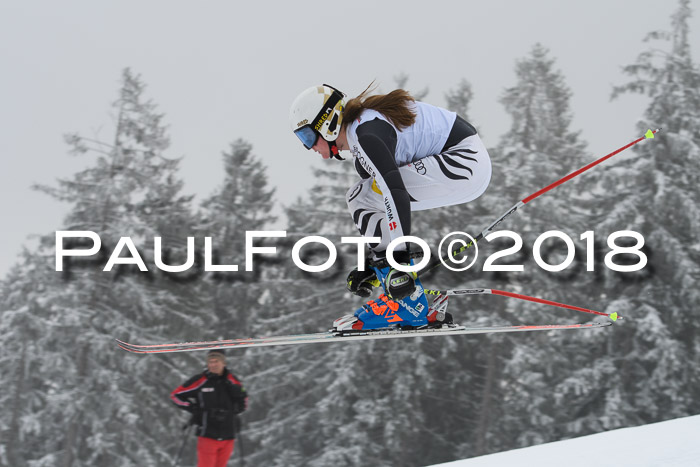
(674, 443)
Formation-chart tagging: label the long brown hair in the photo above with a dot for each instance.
(394, 106)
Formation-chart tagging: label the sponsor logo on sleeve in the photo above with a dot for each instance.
(389, 211)
(363, 162)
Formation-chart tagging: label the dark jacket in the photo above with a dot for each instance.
(214, 401)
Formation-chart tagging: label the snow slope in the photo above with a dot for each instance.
(674, 443)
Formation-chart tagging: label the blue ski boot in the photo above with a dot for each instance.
(387, 312)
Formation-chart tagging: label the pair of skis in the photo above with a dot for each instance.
(440, 302)
(328, 337)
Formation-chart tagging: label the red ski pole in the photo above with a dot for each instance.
(433, 263)
(613, 316)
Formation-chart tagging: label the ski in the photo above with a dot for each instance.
(334, 336)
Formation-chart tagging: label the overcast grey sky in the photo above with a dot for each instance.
(223, 70)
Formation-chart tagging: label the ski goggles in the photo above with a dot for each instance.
(307, 136)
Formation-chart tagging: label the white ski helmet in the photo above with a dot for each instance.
(318, 111)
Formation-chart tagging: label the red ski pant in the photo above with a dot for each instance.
(212, 452)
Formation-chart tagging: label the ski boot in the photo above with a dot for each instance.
(437, 315)
(385, 312)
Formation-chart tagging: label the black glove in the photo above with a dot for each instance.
(360, 282)
(399, 284)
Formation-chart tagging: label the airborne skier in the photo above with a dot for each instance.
(411, 156)
(387, 311)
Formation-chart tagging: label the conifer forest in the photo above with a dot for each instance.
(72, 398)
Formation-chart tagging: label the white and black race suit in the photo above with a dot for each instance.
(438, 161)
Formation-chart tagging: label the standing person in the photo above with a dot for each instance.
(411, 156)
(215, 397)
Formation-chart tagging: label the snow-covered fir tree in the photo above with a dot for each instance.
(243, 203)
(656, 373)
(539, 149)
(88, 392)
(23, 307)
